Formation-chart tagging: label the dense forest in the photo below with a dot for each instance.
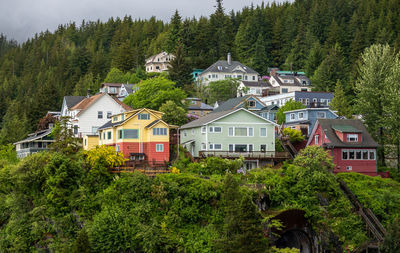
(322, 37)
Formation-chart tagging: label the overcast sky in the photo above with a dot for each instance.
(21, 19)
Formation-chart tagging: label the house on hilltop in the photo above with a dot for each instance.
(311, 99)
(159, 62)
(289, 81)
(120, 90)
(34, 143)
(348, 142)
(222, 70)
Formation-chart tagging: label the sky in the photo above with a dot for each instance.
(21, 19)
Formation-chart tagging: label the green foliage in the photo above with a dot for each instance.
(63, 136)
(392, 238)
(289, 106)
(294, 135)
(154, 92)
(340, 102)
(221, 90)
(215, 165)
(105, 156)
(180, 71)
(173, 114)
(7, 155)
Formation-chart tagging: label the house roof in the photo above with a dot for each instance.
(260, 84)
(223, 67)
(35, 136)
(234, 102)
(270, 108)
(202, 106)
(87, 102)
(346, 129)
(129, 87)
(296, 82)
(153, 57)
(215, 116)
(111, 84)
(327, 127)
(73, 100)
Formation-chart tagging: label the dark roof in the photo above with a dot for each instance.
(202, 106)
(35, 136)
(260, 84)
(73, 100)
(224, 67)
(297, 122)
(327, 127)
(153, 123)
(111, 84)
(346, 129)
(270, 108)
(232, 103)
(291, 77)
(110, 124)
(205, 119)
(129, 87)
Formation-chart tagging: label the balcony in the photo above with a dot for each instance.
(247, 155)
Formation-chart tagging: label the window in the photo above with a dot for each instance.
(159, 131)
(203, 130)
(321, 115)
(99, 114)
(109, 115)
(365, 154)
(292, 116)
(230, 147)
(184, 133)
(371, 155)
(115, 118)
(240, 131)
(307, 101)
(215, 146)
(94, 129)
(131, 133)
(316, 139)
(203, 146)
(263, 147)
(122, 116)
(285, 90)
(40, 144)
(104, 135)
(109, 135)
(263, 132)
(230, 132)
(358, 154)
(301, 115)
(351, 155)
(352, 137)
(349, 168)
(345, 155)
(245, 77)
(144, 116)
(252, 103)
(112, 89)
(251, 132)
(75, 129)
(117, 148)
(215, 129)
(254, 78)
(159, 147)
(120, 134)
(250, 147)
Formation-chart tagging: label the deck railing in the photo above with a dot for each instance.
(249, 154)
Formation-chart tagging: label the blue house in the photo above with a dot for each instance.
(196, 75)
(251, 103)
(305, 119)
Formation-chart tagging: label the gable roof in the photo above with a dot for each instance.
(223, 67)
(87, 102)
(110, 124)
(73, 100)
(35, 136)
(111, 84)
(211, 117)
(327, 126)
(129, 87)
(234, 103)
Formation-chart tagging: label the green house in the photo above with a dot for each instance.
(231, 134)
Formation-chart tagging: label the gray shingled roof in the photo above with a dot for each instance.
(110, 124)
(35, 136)
(73, 100)
(231, 103)
(205, 119)
(202, 106)
(326, 124)
(129, 87)
(153, 123)
(224, 67)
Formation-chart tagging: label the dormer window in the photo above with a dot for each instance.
(352, 137)
(252, 103)
(144, 116)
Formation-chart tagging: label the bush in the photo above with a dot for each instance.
(215, 165)
(294, 135)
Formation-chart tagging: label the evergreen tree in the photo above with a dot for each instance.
(14, 126)
(173, 114)
(314, 59)
(340, 102)
(260, 60)
(180, 71)
(124, 57)
(174, 33)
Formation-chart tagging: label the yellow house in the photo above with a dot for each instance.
(139, 134)
(90, 141)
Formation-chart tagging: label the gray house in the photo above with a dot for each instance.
(36, 142)
(231, 134)
(305, 119)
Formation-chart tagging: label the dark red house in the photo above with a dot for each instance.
(350, 145)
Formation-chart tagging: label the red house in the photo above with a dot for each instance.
(350, 145)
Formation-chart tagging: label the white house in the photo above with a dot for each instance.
(68, 103)
(159, 62)
(289, 81)
(222, 70)
(92, 112)
(120, 90)
(254, 88)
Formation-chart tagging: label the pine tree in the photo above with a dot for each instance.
(124, 57)
(260, 60)
(314, 59)
(180, 71)
(174, 33)
(340, 102)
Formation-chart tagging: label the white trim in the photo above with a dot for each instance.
(237, 111)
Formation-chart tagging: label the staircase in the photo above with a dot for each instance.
(372, 223)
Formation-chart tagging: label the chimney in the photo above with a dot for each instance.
(88, 93)
(229, 59)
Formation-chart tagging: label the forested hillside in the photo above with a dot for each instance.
(322, 37)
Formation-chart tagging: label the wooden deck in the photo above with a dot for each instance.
(249, 155)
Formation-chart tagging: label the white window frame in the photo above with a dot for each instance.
(323, 113)
(203, 146)
(261, 129)
(247, 132)
(159, 147)
(292, 116)
(302, 115)
(203, 129)
(352, 136)
(254, 104)
(316, 139)
(349, 168)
